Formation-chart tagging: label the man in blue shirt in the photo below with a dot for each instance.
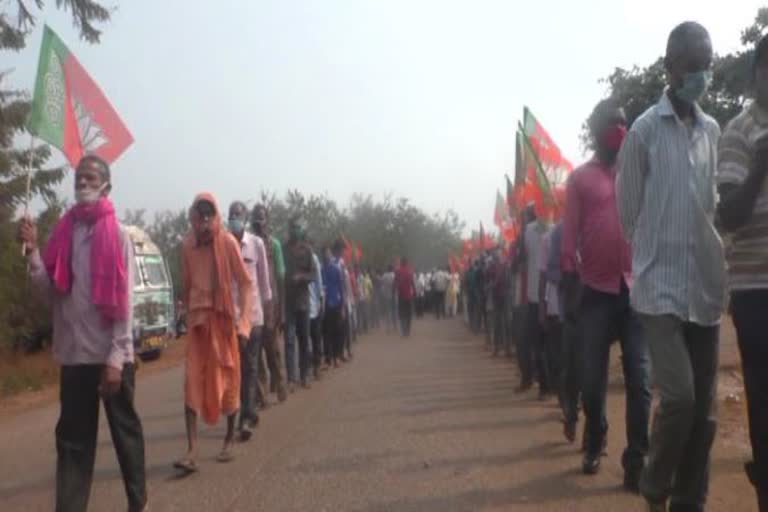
(333, 322)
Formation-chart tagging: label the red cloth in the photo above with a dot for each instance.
(109, 273)
(406, 289)
(592, 229)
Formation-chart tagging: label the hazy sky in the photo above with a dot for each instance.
(417, 98)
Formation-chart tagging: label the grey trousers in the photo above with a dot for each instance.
(684, 357)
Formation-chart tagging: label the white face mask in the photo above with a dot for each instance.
(89, 195)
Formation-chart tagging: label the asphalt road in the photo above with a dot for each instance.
(425, 424)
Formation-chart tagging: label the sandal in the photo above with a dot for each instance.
(225, 456)
(186, 466)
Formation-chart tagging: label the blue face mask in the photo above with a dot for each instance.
(694, 86)
(236, 225)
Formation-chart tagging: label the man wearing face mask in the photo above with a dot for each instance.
(596, 285)
(743, 212)
(300, 271)
(255, 258)
(217, 292)
(273, 311)
(86, 271)
(666, 200)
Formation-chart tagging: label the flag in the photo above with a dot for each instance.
(69, 111)
(358, 252)
(481, 242)
(520, 169)
(501, 213)
(348, 252)
(555, 166)
(510, 197)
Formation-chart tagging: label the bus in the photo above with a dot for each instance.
(153, 305)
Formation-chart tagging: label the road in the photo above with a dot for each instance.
(425, 424)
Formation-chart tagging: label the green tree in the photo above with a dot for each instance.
(20, 315)
(639, 88)
(167, 231)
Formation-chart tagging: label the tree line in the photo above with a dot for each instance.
(385, 229)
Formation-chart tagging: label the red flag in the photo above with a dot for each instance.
(358, 252)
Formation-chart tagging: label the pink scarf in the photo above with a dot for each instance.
(109, 278)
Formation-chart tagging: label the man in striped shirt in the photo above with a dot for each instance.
(666, 200)
(743, 213)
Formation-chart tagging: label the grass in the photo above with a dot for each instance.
(20, 373)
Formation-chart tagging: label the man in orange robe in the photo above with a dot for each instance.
(212, 264)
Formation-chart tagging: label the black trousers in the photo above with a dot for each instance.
(750, 316)
(531, 351)
(405, 310)
(334, 332)
(315, 333)
(77, 433)
(439, 304)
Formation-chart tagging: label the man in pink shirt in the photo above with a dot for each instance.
(595, 253)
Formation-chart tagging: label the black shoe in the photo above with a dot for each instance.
(523, 388)
(569, 431)
(632, 482)
(591, 464)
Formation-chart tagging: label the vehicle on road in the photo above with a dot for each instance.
(153, 307)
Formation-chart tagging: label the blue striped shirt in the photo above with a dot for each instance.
(666, 199)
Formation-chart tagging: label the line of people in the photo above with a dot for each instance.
(263, 317)
(638, 257)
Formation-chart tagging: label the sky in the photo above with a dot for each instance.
(414, 98)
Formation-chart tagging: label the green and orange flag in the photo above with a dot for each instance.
(501, 212)
(69, 111)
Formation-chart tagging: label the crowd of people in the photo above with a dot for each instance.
(664, 220)
(262, 317)
(637, 257)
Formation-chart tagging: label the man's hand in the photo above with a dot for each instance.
(111, 380)
(242, 339)
(27, 234)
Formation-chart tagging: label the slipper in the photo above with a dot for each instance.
(187, 466)
(225, 456)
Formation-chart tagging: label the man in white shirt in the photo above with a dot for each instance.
(255, 258)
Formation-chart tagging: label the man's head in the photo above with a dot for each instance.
(296, 229)
(238, 218)
(260, 220)
(204, 217)
(607, 129)
(327, 254)
(92, 180)
(688, 61)
(760, 72)
(338, 248)
(403, 261)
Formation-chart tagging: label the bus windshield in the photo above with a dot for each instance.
(154, 271)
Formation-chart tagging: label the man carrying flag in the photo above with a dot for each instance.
(86, 271)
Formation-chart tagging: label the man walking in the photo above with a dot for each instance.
(743, 213)
(218, 326)
(603, 272)
(86, 272)
(273, 310)
(335, 304)
(255, 259)
(299, 273)
(406, 291)
(666, 200)
(316, 309)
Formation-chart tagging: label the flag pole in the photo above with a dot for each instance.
(28, 191)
